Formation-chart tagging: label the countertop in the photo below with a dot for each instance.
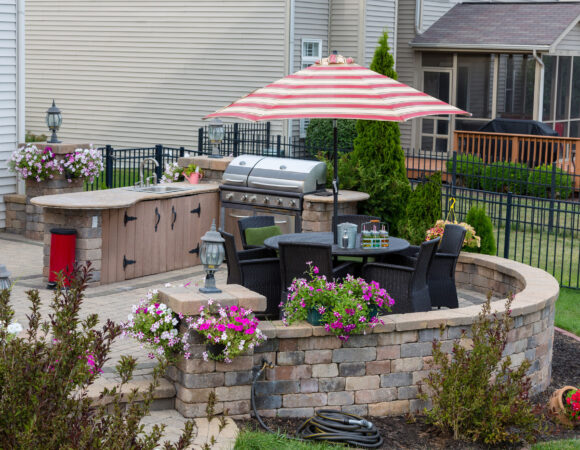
(344, 196)
(116, 198)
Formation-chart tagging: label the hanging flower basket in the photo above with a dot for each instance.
(314, 317)
(560, 408)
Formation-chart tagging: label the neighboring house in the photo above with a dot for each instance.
(11, 93)
(139, 73)
(517, 60)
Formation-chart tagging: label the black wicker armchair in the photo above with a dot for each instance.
(357, 219)
(441, 276)
(407, 285)
(257, 269)
(294, 256)
(253, 222)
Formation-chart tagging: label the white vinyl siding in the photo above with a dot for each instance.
(433, 10)
(570, 45)
(344, 28)
(8, 99)
(380, 16)
(141, 72)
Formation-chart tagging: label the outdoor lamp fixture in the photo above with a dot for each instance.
(212, 254)
(5, 282)
(53, 121)
(216, 135)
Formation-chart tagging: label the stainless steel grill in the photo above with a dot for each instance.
(257, 185)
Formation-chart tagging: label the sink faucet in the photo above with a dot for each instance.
(142, 166)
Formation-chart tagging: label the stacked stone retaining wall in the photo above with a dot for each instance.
(379, 373)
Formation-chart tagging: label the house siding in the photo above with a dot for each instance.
(8, 99)
(133, 73)
(433, 10)
(570, 45)
(380, 16)
(345, 18)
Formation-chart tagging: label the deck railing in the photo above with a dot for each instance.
(521, 148)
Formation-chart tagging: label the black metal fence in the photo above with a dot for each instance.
(535, 211)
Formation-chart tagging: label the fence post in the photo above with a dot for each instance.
(454, 174)
(278, 145)
(200, 141)
(109, 166)
(267, 134)
(552, 197)
(508, 225)
(181, 152)
(159, 159)
(236, 139)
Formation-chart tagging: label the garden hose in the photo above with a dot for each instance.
(327, 425)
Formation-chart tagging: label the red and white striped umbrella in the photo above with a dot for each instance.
(336, 88)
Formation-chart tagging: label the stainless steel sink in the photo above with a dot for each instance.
(161, 189)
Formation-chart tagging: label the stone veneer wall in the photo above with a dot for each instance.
(88, 224)
(15, 213)
(375, 374)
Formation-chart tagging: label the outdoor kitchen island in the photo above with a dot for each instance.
(127, 233)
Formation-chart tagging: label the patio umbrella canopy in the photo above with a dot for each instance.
(336, 88)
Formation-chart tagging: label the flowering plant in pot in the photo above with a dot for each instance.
(33, 163)
(229, 330)
(172, 174)
(565, 404)
(83, 163)
(155, 326)
(346, 308)
(471, 239)
(193, 173)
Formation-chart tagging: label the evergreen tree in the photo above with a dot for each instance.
(379, 157)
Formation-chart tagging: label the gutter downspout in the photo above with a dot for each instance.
(292, 56)
(418, 16)
(541, 90)
(20, 82)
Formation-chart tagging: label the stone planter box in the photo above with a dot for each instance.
(375, 374)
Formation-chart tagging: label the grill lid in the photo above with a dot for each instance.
(279, 174)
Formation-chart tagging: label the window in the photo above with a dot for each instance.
(515, 86)
(311, 52)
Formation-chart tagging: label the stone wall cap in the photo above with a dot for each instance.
(15, 198)
(344, 196)
(205, 162)
(59, 149)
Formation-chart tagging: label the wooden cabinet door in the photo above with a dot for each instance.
(126, 243)
(176, 233)
(152, 236)
(203, 208)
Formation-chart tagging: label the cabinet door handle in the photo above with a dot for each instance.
(126, 262)
(157, 218)
(195, 250)
(197, 210)
(174, 216)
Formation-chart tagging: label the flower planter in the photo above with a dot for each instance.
(557, 406)
(215, 351)
(193, 178)
(314, 317)
(373, 311)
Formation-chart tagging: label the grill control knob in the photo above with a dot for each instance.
(266, 199)
(229, 196)
(244, 197)
(280, 201)
(253, 198)
(292, 203)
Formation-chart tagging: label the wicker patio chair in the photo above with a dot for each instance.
(294, 256)
(441, 275)
(257, 269)
(407, 285)
(357, 219)
(253, 222)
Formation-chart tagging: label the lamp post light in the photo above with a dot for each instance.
(5, 282)
(212, 254)
(216, 135)
(53, 121)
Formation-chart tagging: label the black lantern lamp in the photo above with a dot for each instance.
(212, 254)
(53, 121)
(216, 136)
(5, 282)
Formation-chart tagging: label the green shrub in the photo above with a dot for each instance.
(320, 135)
(478, 219)
(540, 182)
(476, 394)
(45, 374)
(423, 208)
(347, 171)
(469, 169)
(31, 137)
(505, 177)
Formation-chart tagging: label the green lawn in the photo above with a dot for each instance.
(564, 444)
(121, 178)
(259, 440)
(568, 310)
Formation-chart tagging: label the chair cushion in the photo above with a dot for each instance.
(257, 236)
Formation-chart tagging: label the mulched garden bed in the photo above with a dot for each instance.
(406, 432)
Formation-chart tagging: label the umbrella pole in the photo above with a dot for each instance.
(335, 183)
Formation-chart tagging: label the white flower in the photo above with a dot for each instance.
(167, 284)
(204, 355)
(14, 328)
(130, 317)
(210, 301)
(224, 336)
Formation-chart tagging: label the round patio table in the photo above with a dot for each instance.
(326, 237)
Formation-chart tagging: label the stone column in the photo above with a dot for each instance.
(58, 185)
(318, 210)
(213, 168)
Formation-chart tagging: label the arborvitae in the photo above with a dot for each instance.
(478, 219)
(423, 208)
